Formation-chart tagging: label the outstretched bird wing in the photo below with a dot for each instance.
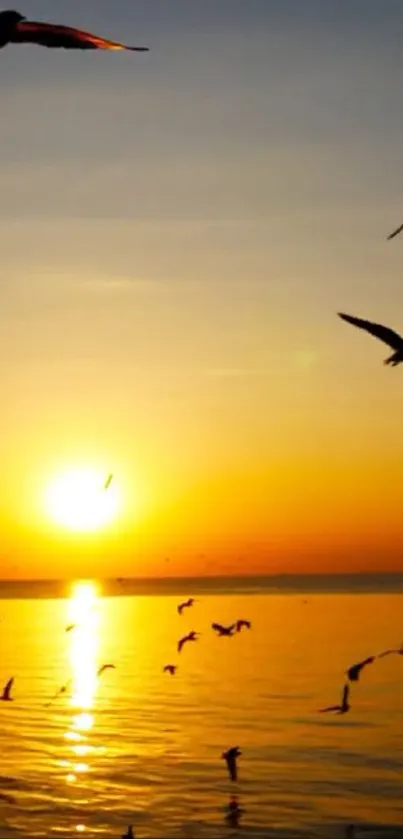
(182, 642)
(105, 667)
(7, 689)
(230, 759)
(346, 691)
(218, 627)
(382, 332)
(66, 37)
(395, 232)
(330, 708)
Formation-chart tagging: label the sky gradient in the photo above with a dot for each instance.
(178, 231)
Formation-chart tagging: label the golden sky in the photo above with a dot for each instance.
(178, 232)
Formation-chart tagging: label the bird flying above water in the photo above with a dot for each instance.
(108, 481)
(241, 623)
(170, 668)
(353, 673)
(70, 627)
(222, 631)
(391, 652)
(105, 667)
(16, 29)
(191, 636)
(185, 605)
(388, 336)
(5, 696)
(340, 709)
(230, 757)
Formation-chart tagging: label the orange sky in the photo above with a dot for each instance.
(177, 237)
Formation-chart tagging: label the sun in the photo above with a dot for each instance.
(82, 500)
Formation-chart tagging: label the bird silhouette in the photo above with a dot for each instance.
(16, 29)
(129, 833)
(223, 630)
(70, 627)
(241, 624)
(108, 481)
(353, 673)
(339, 709)
(5, 696)
(191, 636)
(388, 336)
(230, 757)
(395, 232)
(185, 605)
(391, 652)
(170, 668)
(105, 667)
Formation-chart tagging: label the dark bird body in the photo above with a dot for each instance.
(191, 636)
(5, 696)
(15, 29)
(170, 668)
(230, 757)
(339, 709)
(242, 624)
(185, 605)
(223, 630)
(388, 336)
(353, 673)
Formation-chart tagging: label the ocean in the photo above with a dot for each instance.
(138, 746)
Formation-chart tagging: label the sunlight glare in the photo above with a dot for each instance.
(77, 500)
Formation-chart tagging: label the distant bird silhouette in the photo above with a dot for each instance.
(353, 673)
(395, 232)
(5, 696)
(230, 757)
(185, 605)
(191, 636)
(108, 481)
(388, 336)
(340, 709)
(105, 667)
(170, 668)
(63, 689)
(129, 833)
(70, 627)
(241, 624)
(223, 630)
(16, 29)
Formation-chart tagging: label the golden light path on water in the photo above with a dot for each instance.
(84, 642)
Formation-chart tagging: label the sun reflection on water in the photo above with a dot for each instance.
(83, 650)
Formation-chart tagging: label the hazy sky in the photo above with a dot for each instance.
(178, 230)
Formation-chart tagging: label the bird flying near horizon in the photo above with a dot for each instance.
(16, 29)
(223, 631)
(339, 709)
(230, 757)
(241, 624)
(353, 673)
(105, 667)
(185, 605)
(191, 636)
(170, 668)
(5, 696)
(388, 336)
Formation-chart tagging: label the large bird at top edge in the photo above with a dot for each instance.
(16, 29)
(388, 336)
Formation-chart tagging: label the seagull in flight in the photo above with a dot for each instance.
(16, 29)
(192, 636)
(5, 696)
(170, 668)
(353, 673)
(395, 232)
(186, 604)
(340, 709)
(108, 481)
(230, 757)
(70, 627)
(222, 631)
(105, 667)
(388, 336)
(241, 624)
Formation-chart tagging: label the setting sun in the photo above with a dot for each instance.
(79, 500)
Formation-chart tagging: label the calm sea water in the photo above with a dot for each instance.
(139, 746)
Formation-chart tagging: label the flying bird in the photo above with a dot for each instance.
(241, 624)
(388, 336)
(192, 636)
(340, 709)
(230, 758)
(223, 630)
(108, 481)
(5, 696)
(70, 627)
(353, 673)
(105, 667)
(185, 605)
(16, 29)
(170, 668)
(395, 232)
(391, 652)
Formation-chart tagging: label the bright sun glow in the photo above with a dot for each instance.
(80, 500)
